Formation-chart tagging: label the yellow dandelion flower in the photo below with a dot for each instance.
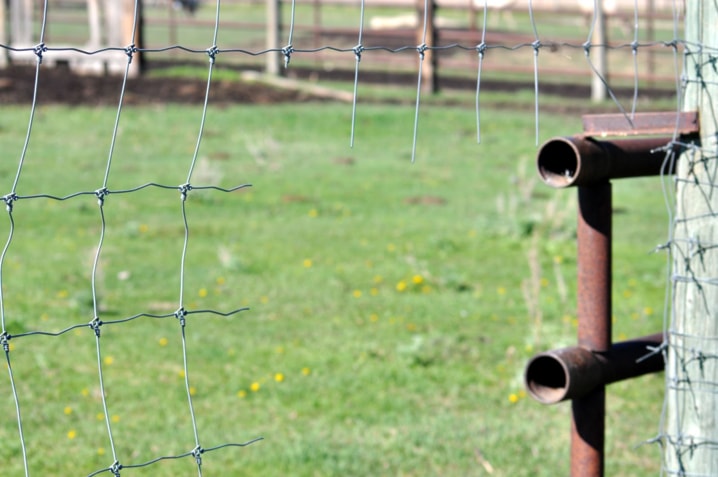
(180, 373)
(85, 392)
(648, 311)
(401, 286)
(279, 349)
(374, 291)
(163, 341)
(100, 416)
(501, 291)
(143, 228)
(11, 346)
(192, 390)
(417, 279)
(557, 259)
(202, 292)
(62, 294)
(374, 317)
(241, 394)
(264, 299)
(279, 377)
(544, 282)
(44, 317)
(627, 293)
(109, 360)
(411, 327)
(391, 247)
(357, 293)
(306, 371)
(378, 279)
(220, 281)
(513, 398)
(313, 213)
(67, 410)
(254, 387)
(426, 289)
(115, 418)
(71, 434)
(307, 263)
(100, 451)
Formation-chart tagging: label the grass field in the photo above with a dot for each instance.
(393, 306)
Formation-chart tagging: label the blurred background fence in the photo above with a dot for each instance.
(318, 29)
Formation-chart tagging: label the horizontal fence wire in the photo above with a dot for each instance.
(682, 52)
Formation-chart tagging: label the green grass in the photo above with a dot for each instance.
(397, 300)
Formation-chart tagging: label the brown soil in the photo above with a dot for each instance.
(59, 85)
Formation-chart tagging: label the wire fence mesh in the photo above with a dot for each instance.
(537, 47)
(688, 428)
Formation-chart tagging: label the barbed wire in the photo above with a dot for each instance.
(689, 448)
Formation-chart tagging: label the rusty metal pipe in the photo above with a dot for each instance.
(580, 160)
(573, 372)
(594, 265)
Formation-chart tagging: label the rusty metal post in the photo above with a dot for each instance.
(590, 164)
(594, 323)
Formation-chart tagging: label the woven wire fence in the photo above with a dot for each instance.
(682, 54)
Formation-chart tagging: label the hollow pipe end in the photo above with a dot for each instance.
(559, 162)
(547, 379)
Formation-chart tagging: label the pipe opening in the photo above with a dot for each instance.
(558, 162)
(546, 379)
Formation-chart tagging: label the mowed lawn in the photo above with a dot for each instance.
(392, 306)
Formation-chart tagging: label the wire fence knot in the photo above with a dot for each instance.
(95, 325)
(197, 454)
(39, 49)
(101, 194)
(5, 341)
(184, 189)
(9, 200)
(481, 48)
(115, 468)
(421, 49)
(212, 52)
(287, 52)
(181, 314)
(358, 51)
(130, 50)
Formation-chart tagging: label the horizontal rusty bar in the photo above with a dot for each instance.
(584, 161)
(574, 372)
(642, 124)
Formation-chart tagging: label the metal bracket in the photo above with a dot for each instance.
(642, 124)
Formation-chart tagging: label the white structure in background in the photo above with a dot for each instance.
(110, 25)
